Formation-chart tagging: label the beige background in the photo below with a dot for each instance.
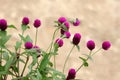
(100, 20)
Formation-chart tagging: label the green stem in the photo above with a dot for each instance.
(1, 57)
(67, 58)
(83, 62)
(96, 51)
(54, 62)
(36, 36)
(54, 34)
(25, 66)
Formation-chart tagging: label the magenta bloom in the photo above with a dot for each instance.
(62, 20)
(62, 31)
(76, 23)
(67, 25)
(76, 38)
(25, 21)
(106, 45)
(59, 42)
(67, 34)
(3, 24)
(90, 45)
(28, 45)
(37, 23)
(71, 74)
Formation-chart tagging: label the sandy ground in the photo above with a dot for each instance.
(100, 20)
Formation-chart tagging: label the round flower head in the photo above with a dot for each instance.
(59, 42)
(67, 34)
(106, 45)
(62, 20)
(71, 74)
(37, 23)
(76, 39)
(28, 45)
(76, 23)
(3, 24)
(67, 25)
(90, 45)
(62, 31)
(25, 21)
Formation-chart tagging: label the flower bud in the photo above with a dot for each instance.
(25, 21)
(106, 45)
(71, 74)
(76, 39)
(62, 20)
(90, 45)
(37, 23)
(67, 25)
(38, 50)
(76, 23)
(28, 45)
(59, 42)
(3, 24)
(67, 34)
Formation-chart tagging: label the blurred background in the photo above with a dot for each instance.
(100, 20)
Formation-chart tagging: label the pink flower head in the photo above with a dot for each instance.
(76, 38)
(76, 23)
(59, 42)
(3, 24)
(67, 25)
(28, 45)
(71, 74)
(25, 21)
(67, 34)
(106, 45)
(37, 23)
(62, 20)
(90, 44)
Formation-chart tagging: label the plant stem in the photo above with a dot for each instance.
(83, 62)
(36, 36)
(25, 66)
(96, 51)
(67, 58)
(53, 37)
(54, 62)
(1, 57)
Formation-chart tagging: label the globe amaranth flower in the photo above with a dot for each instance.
(106, 45)
(37, 23)
(71, 74)
(67, 25)
(28, 45)
(76, 23)
(62, 20)
(59, 42)
(62, 31)
(3, 24)
(25, 21)
(76, 38)
(38, 50)
(67, 34)
(90, 44)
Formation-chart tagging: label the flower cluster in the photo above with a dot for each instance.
(41, 66)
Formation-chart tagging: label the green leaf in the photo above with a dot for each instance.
(18, 45)
(83, 59)
(27, 38)
(89, 57)
(4, 40)
(78, 47)
(12, 26)
(5, 56)
(24, 27)
(3, 33)
(85, 64)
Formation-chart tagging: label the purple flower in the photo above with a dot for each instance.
(76, 38)
(67, 25)
(76, 23)
(71, 74)
(67, 34)
(62, 20)
(25, 21)
(3, 24)
(90, 45)
(62, 31)
(106, 45)
(28, 45)
(37, 23)
(59, 42)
